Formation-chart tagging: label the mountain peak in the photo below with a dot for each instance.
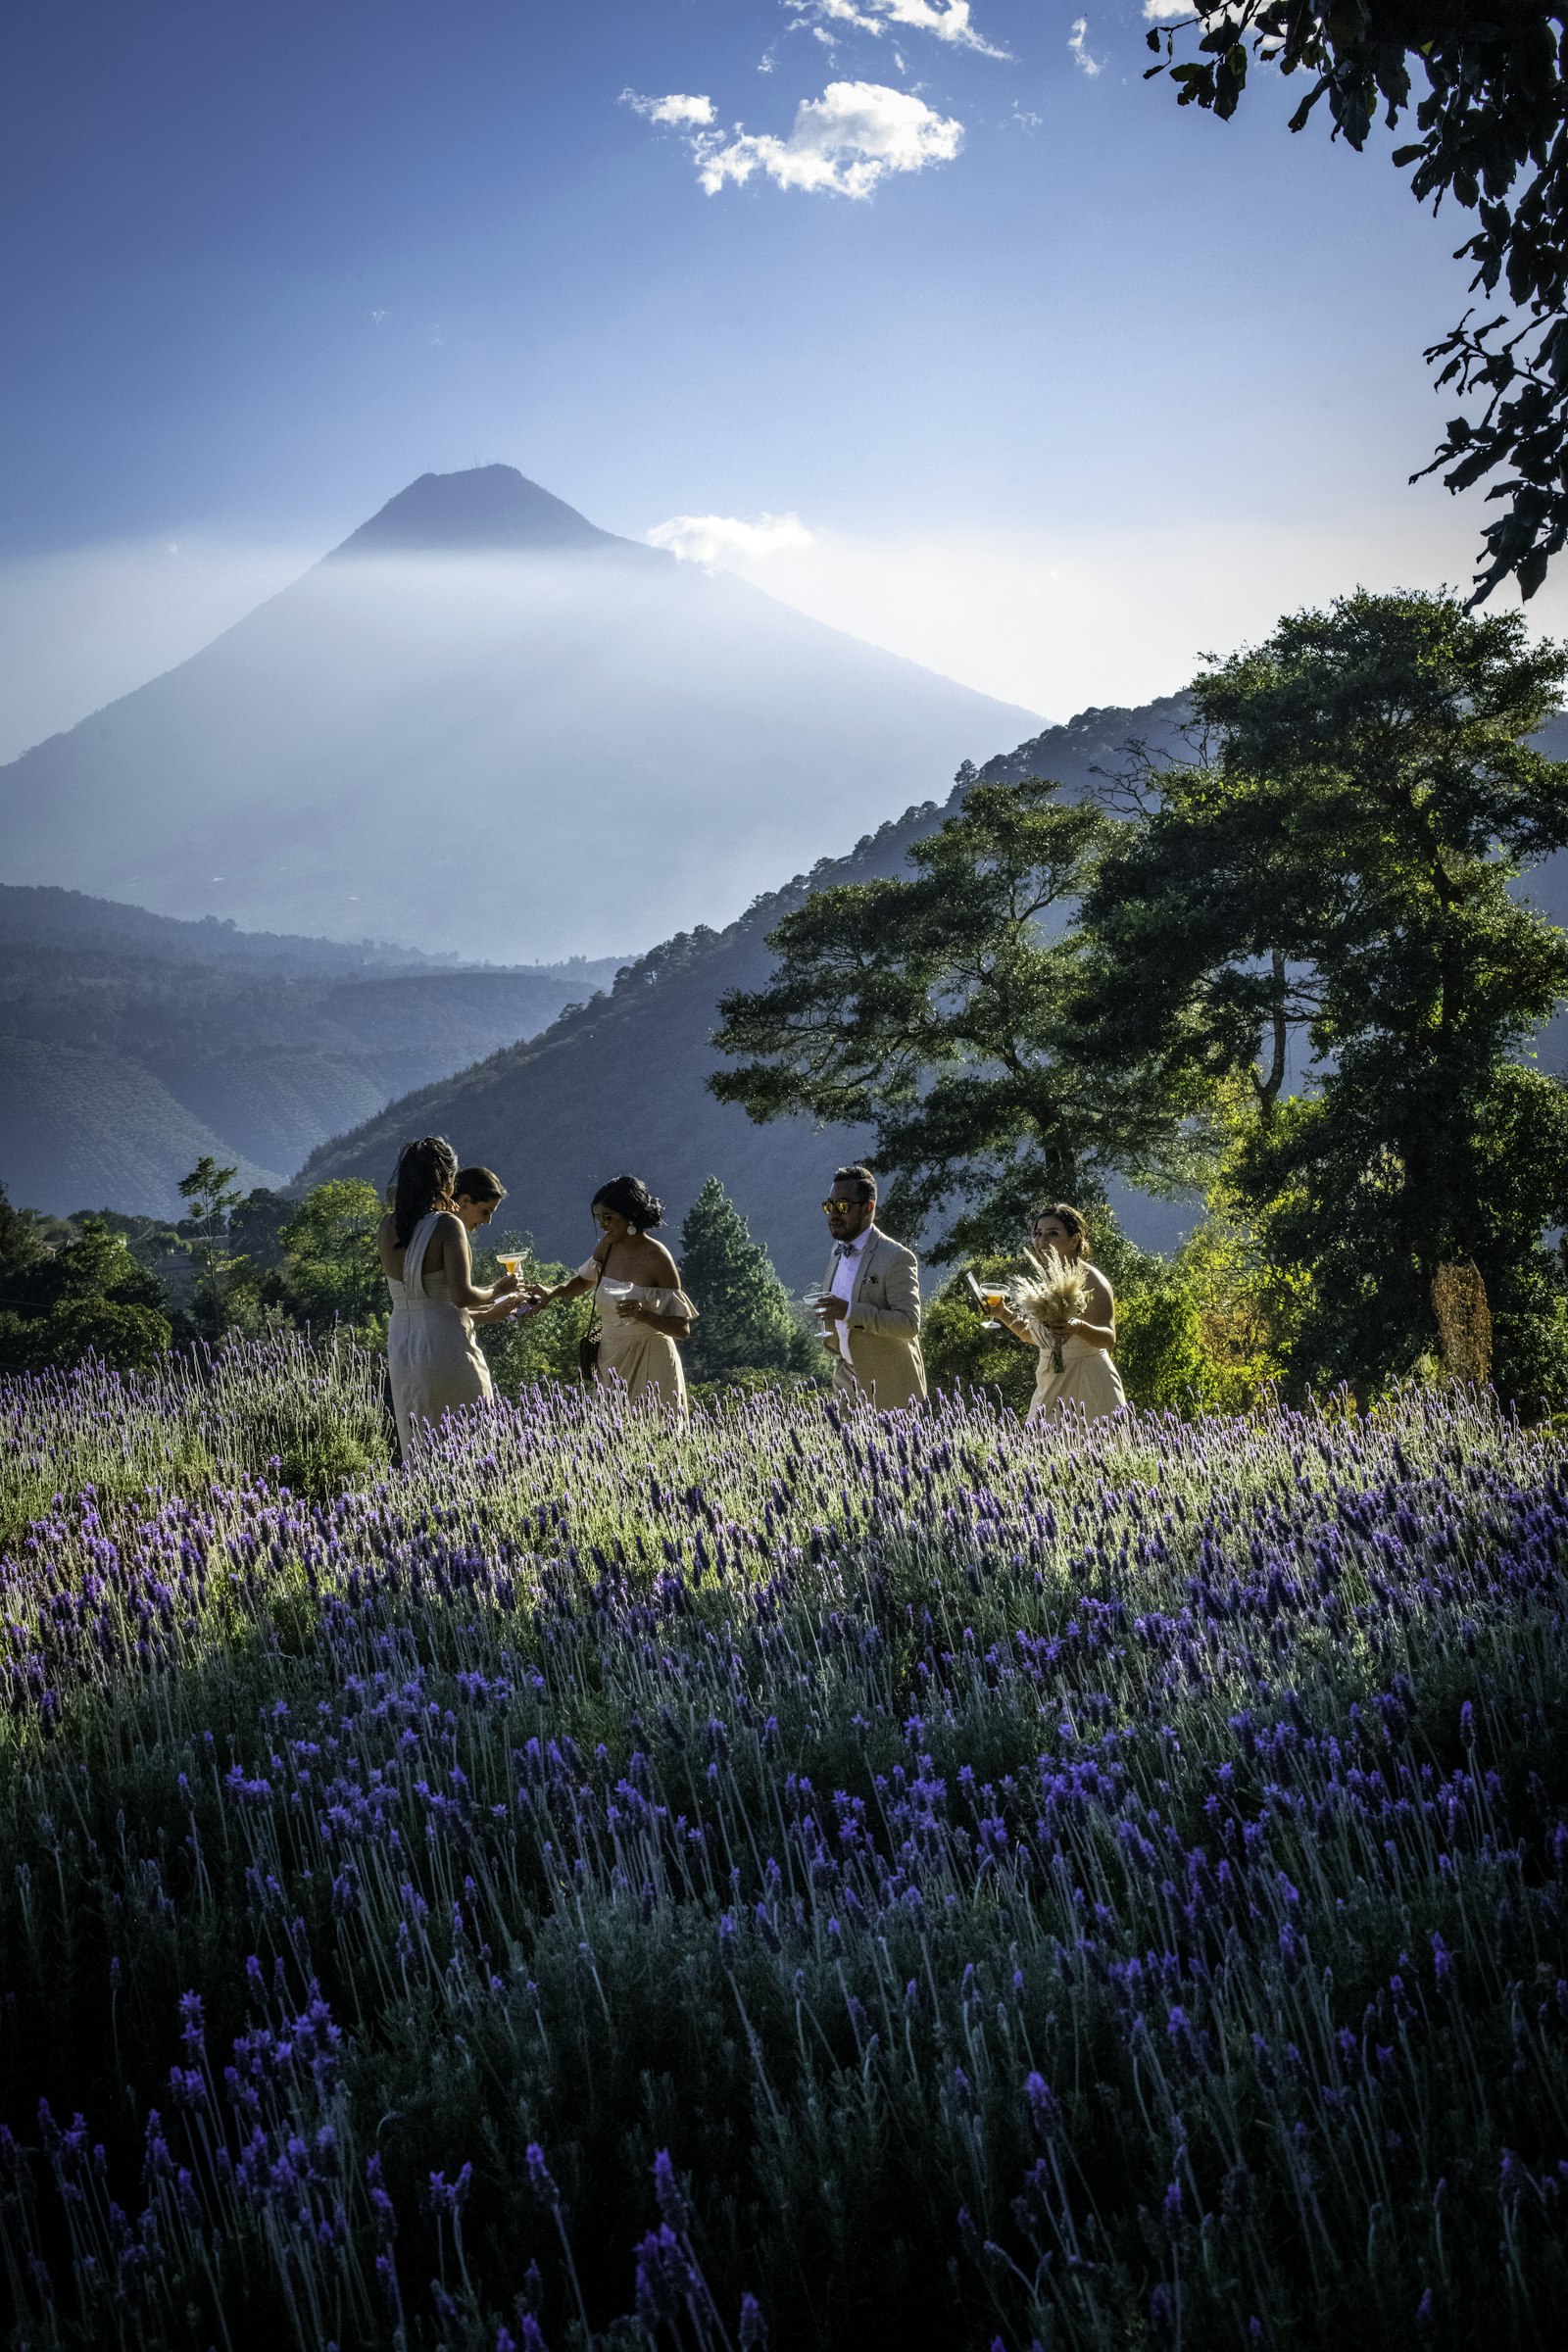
(485, 508)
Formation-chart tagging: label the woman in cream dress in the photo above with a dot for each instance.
(432, 1356)
(1088, 1379)
(636, 1283)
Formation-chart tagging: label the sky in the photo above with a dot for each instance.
(930, 316)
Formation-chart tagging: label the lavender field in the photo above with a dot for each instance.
(809, 1878)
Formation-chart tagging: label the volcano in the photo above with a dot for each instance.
(484, 725)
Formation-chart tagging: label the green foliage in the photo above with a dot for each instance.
(745, 1320)
(87, 1295)
(255, 1226)
(936, 1010)
(210, 1193)
(1341, 871)
(331, 1270)
(959, 1351)
(128, 1337)
(1489, 119)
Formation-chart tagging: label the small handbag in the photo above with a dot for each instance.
(588, 1344)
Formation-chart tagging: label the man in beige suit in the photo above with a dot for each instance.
(870, 1302)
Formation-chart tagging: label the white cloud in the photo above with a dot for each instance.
(842, 143)
(687, 113)
(709, 538)
(1155, 11)
(949, 21)
(1080, 55)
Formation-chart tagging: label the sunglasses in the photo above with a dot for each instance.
(828, 1207)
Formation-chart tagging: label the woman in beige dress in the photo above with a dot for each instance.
(1086, 1378)
(636, 1284)
(432, 1355)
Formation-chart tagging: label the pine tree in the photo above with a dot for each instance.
(745, 1322)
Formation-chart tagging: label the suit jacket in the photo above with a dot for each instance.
(884, 1325)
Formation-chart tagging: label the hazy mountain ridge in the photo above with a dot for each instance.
(485, 724)
(122, 1061)
(39, 916)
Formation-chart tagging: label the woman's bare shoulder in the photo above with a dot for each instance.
(657, 1256)
(1098, 1284)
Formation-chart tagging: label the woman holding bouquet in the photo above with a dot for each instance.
(1069, 1313)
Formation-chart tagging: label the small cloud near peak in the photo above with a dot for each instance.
(709, 538)
(687, 114)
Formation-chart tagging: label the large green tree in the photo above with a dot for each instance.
(933, 1011)
(331, 1268)
(1341, 867)
(1490, 99)
(745, 1322)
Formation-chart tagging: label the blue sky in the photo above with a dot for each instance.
(1090, 384)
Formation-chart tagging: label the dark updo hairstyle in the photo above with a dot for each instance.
(424, 1177)
(478, 1185)
(1073, 1218)
(629, 1198)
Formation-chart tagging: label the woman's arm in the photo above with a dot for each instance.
(1103, 1304)
(458, 1260)
(572, 1289)
(1019, 1329)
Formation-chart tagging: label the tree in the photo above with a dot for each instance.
(88, 1295)
(934, 1011)
(1492, 127)
(211, 1194)
(744, 1321)
(1343, 867)
(255, 1225)
(331, 1270)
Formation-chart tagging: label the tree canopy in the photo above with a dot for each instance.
(932, 1010)
(1492, 123)
(1342, 868)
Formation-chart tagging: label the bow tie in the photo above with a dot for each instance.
(847, 1250)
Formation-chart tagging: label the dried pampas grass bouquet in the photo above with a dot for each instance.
(1054, 1294)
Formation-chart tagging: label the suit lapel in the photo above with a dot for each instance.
(863, 1265)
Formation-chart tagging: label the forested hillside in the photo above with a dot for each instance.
(621, 1083)
(131, 1044)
